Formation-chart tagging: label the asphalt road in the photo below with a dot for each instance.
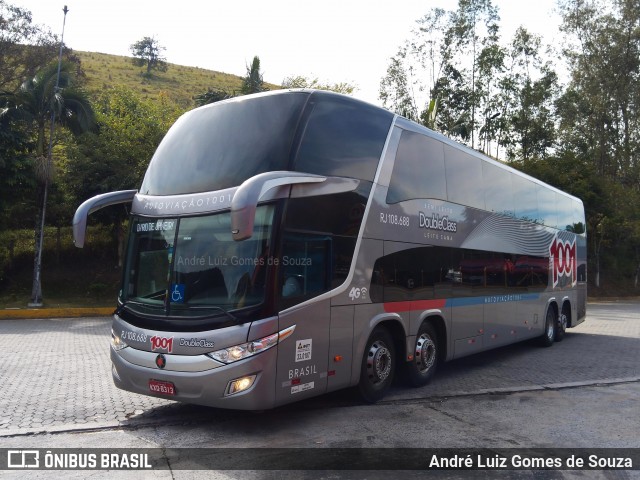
(581, 393)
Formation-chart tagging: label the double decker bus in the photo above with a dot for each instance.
(292, 243)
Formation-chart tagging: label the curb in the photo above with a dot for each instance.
(37, 313)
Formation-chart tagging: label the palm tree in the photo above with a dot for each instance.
(253, 82)
(34, 105)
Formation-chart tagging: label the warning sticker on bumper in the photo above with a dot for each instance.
(302, 388)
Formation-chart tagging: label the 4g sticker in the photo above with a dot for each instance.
(358, 294)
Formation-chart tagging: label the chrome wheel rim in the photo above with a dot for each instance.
(425, 355)
(378, 362)
(563, 322)
(550, 332)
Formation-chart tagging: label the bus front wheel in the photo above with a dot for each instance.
(378, 365)
(422, 368)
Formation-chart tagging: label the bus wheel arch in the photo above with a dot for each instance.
(378, 363)
(428, 352)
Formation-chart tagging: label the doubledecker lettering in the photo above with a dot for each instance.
(563, 257)
(436, 222)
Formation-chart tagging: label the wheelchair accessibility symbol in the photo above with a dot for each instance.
(177, 292)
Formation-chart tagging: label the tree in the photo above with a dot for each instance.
(526, 99)
(115, 156)
(212, 96)
(604, 59)
(410, 86)
(148, 52)
(599, 122)
(474, 28)
(253, 82)
(35, 105)
(300, 81)
(395, 90)
(444, 76)
(16, 173)
(24, 47)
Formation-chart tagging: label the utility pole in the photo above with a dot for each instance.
(36, 293)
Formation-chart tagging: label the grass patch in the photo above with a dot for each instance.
(179, 83)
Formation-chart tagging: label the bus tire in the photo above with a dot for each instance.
(378, 365)
(561, 326)
(422, 368)
(550, 324)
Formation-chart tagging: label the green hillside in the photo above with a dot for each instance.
(179, 83)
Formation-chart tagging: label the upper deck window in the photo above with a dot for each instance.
(419, 169)
(343, 137)
(464, 178)
(221, 145)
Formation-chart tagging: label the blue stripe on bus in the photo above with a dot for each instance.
(414, 305)
(491, 299)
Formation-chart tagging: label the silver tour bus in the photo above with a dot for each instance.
(288, 244)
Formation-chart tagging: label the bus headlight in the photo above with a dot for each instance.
(249, 349)
(116, 342)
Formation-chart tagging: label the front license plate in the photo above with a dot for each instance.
(163, 388)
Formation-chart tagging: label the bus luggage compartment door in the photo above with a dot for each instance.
(302, 358)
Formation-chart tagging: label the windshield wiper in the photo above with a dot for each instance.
(207, 307)
(125, 305)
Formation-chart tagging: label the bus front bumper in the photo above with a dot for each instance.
(197, 379)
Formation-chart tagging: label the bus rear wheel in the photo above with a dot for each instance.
(422, 368)
(378, 365)
(550, 324)
(563, 323)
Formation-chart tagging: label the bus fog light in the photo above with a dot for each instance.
(240, 384)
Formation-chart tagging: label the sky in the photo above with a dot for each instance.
(335, 41)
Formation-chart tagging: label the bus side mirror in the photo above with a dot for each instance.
(257, 188)
(93, 204)
(246, 198)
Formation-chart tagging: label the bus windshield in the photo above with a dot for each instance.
(191, 266)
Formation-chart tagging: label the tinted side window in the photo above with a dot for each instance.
(525, 199)
(579, 225)
(343, 138)
(566, 219)
(319, 242)
(426, 273)
(464, 178)
(547, 207)
(418, 273)
(418, 171)
(306, 261)
(498, 191)
(338, 214)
